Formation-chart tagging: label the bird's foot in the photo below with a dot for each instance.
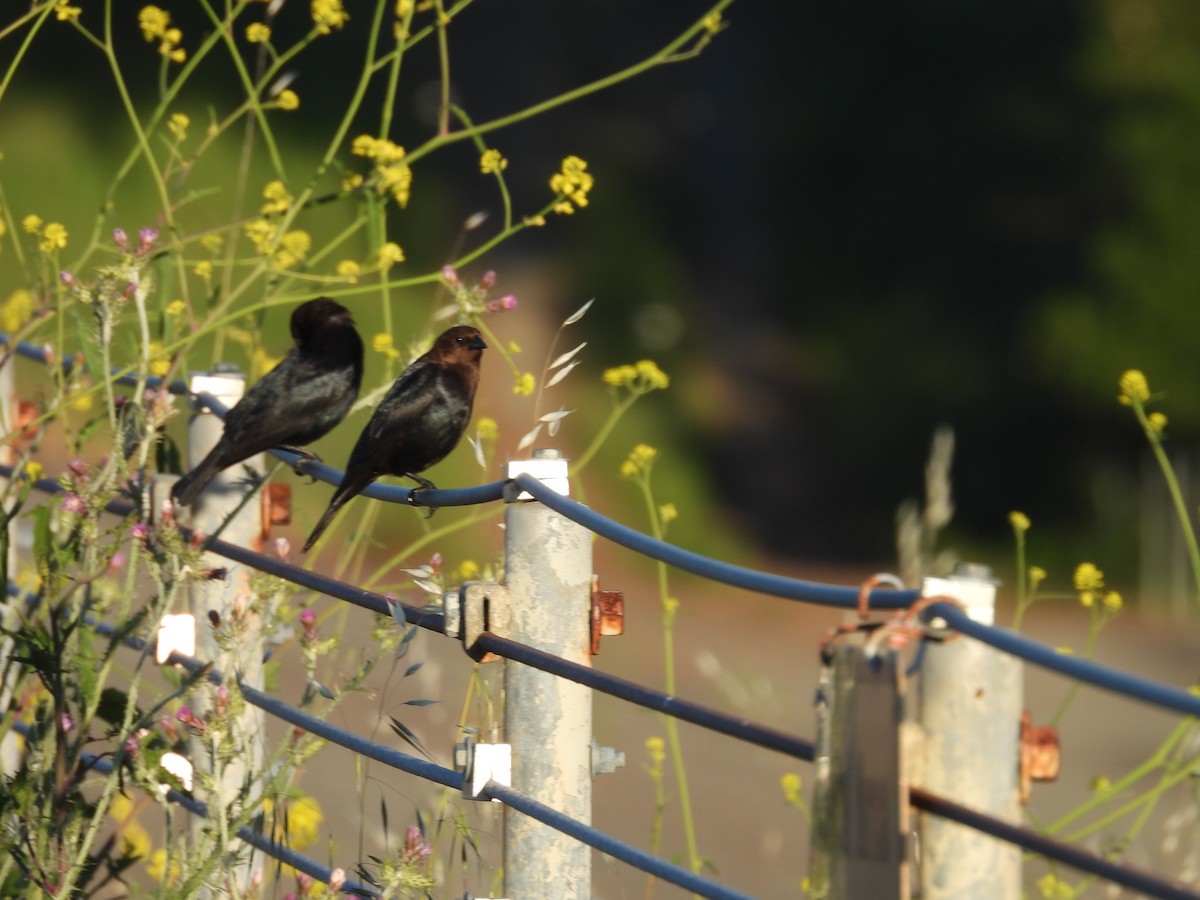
(424, 485)
(305, 456)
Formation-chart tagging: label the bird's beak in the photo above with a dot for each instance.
(477, 343)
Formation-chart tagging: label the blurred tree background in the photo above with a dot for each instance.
(836, 229)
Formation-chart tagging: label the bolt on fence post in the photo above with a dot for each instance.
(10, 745)
(860, 799)
(235, 645)
(970, 714)
(548, 720)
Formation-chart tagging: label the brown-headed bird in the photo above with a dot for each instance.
(419, 422)
(298, 401)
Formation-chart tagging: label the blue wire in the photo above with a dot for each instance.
(715, 570)
(605, 843)
(1164, 695)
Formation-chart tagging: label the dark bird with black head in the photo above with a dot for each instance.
(297, 402)
(419, 422)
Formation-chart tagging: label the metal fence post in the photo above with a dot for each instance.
(10, 745)
(547, 719)
(971, 698)
(860, 799)
(234, 642)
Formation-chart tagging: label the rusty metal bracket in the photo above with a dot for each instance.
(608, 613)
(1041, 754)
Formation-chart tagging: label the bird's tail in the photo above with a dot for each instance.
(188, 488)
(340, 496)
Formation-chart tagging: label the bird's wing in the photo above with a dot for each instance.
(269, 412)
(406, 401)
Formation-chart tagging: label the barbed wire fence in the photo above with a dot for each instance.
(542, 619)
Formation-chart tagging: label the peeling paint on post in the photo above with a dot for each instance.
(548, 720)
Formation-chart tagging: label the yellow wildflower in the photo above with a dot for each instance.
(1133, 386)
(381, 150)
(293, 247)
(153, 22)
(1157, 422)
(54, 237)
(486, 429)
(258, 33)
(350, 270)
(492, 162)
(573, 182)
(641, 378)
(156, 25)
(639, 460)
(212, 242)
(534, 221)
(260, 232)
(65, 13)
(652, 375)
(156, 866)
(204, 269)
(1088, 577)
(176, 308)
(277, 196)
(1019, 521)
(403, 8)
(791, 784)
(1036, 576)
(160, 363)
(468, 570)
(397, 181)
(1054, 888)
(288, 100)
(620, 376)
(657, 748)
(16, 310)
(177, 125)
(32, 224)
(1101, 783)
(525, 384)
(34, 470)
(1113, 602)
(712, 22)
(390, 254)
(383, 343)
(351, 181)
(514, 347)
(328, 15)
(82, 400)
(667, 513)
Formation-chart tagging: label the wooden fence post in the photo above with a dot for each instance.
(547, 719)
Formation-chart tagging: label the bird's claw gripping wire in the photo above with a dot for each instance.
(424, 484)
(303, 456)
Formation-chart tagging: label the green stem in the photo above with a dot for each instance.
(663, 56)
(610, 423)
(1181, 510)
(675, 745)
